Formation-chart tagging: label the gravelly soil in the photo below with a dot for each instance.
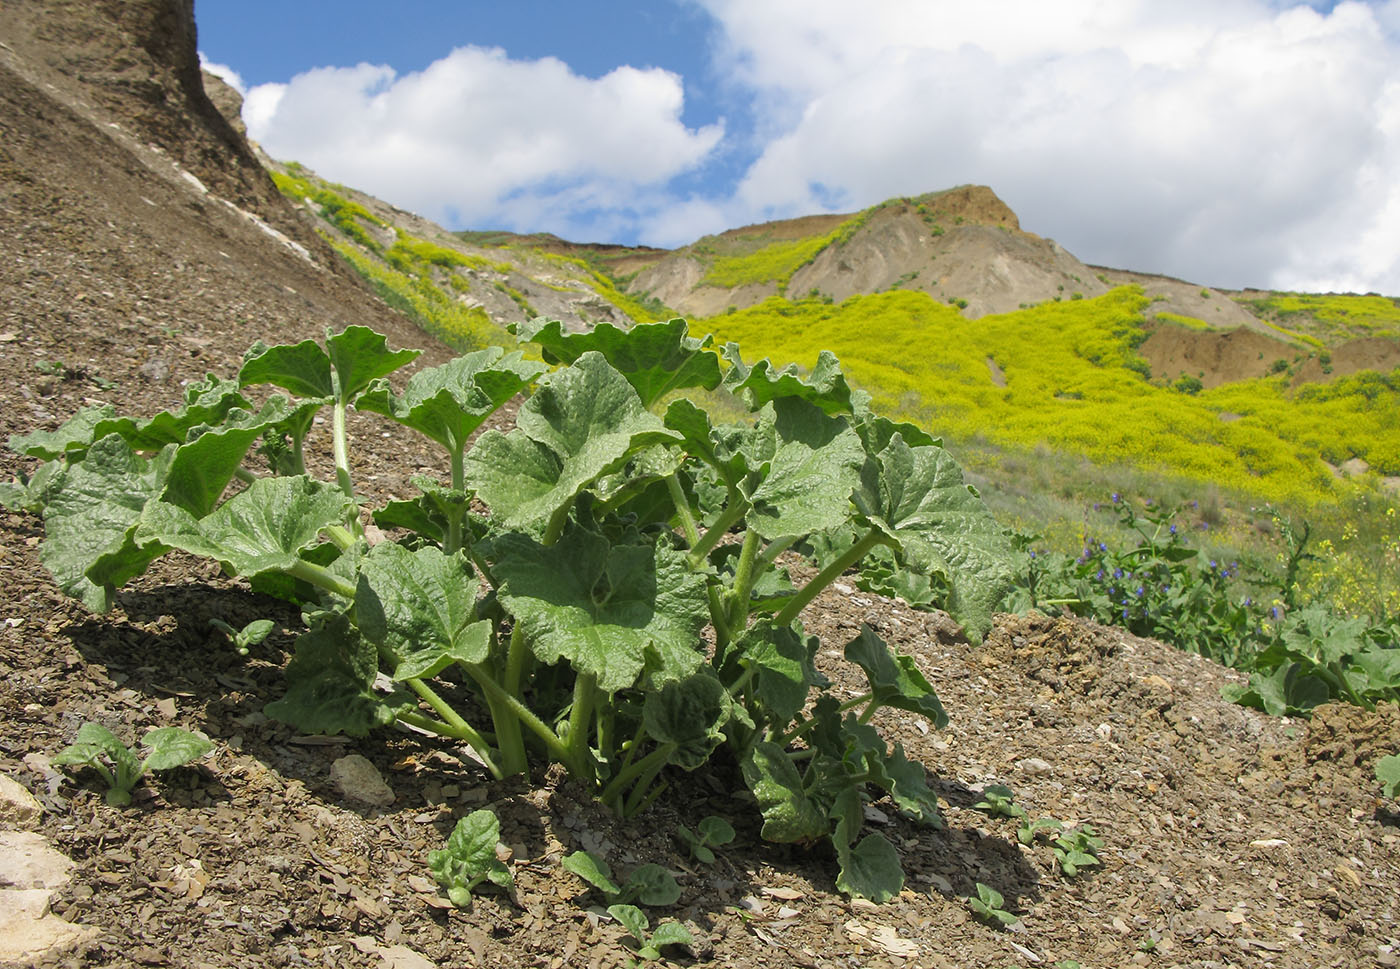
(1232, 839)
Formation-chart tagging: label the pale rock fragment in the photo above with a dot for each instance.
(359, 780)
(27, 861)
(18, 808)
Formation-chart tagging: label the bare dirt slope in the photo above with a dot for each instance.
(1231, 839)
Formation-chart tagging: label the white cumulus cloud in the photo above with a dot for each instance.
(1231, 142)
(477, 139)
(231, 77)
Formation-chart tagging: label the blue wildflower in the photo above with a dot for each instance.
(1118, 573)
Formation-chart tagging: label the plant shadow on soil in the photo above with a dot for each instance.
(158, 643)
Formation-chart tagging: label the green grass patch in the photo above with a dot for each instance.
(461, 327)
(341, 212)
(1331, 318)
(1189, 322)
(775, 262)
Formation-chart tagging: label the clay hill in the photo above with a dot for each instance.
(143, 242)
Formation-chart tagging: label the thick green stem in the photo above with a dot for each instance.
(472, 738)
(774, 549)
(828, 575)
(678, 498)
(719, 620)
(652, 762)
(734, 511)
(503, 703)
(244, 475)
(453, 540)
(516, 656)
(581, 714)
(743, 580)
(341, 536)
(321, 578)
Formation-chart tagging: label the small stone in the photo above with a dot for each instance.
(1034, 765)
(17, 806)
(359, 780)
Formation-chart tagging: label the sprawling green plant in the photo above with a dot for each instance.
(620, 609)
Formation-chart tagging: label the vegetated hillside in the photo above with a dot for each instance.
(962, 246)
(1269, 394)
(142, 241)
(1079, 385)
(464, 287)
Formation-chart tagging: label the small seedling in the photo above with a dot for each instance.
(711, 832)
(1077, 848)
(998, 801)
(1388, 773)
(989, 906)
(1029, 830)
(649, 884)
(167, 747)
(649, 944)
(250, 635)
(470, 858)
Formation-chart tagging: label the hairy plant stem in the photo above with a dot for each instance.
(828, 575)
(509, 713)
(743, 580)
(585, 696)
(340, 447)
(735, 509)
(473, 739)
(322, 578)
(340, 536)
(652, 763)
(683, 512)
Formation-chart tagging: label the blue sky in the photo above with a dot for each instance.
(1229, 142)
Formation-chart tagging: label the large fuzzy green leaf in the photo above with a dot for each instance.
(203, 468)
(330, 684)
(91, 515)
(263, 528)
(72, 437)
(784, 672)
(690, 714)
(805, 466)
(358, 356)
(917, 496)
(788, 813)
(825, 386)
(895, 681)
(206, 402)
(870, 869)
(583, 422)
(602, 607)
(656, 358)
(421, 607)
(449, 402)
(907, 784)
(299, 368)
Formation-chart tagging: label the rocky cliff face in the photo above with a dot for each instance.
(140, 242)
